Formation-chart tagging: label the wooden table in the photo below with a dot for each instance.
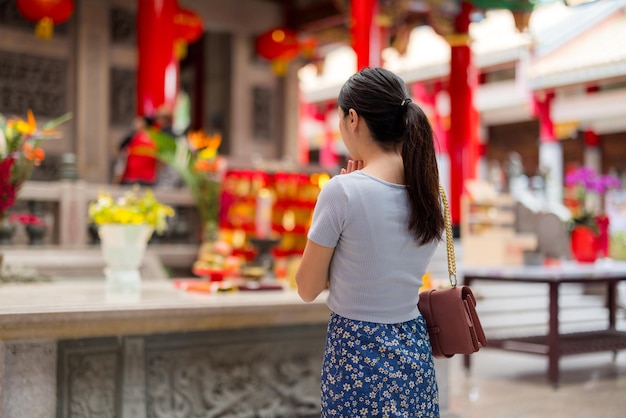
(555, 344)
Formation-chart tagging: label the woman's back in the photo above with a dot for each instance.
(377, 267)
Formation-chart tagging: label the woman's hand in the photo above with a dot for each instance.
(353, 165)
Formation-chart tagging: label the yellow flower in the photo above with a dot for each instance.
(132, 208)
(26, 127)
(207, 153)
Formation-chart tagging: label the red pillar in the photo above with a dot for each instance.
(157, 68)
(427, 96)
(542, 103)
(463, 136)
(366, 34)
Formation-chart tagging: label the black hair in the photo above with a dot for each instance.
(380, 98)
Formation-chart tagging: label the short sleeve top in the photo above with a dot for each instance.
(377, 266)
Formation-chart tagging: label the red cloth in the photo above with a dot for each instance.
(141, 164)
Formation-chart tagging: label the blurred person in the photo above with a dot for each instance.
(164, 121)
(136, 162)
(375, 228)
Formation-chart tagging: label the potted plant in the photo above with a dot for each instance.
(35, 226)
(589, 224)
(20, 153)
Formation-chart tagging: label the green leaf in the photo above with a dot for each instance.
(57, 121)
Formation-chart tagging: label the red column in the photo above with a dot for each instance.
(542, 103)
(157, 69)
(366, 34)
(463, 136)
(427, 98)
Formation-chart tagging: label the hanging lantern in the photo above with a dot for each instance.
(308, 47)
(277, 43)
(188, 28)
(280, 45)
(46, 14)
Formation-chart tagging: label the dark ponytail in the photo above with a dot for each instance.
(421, 176)
(380, 98)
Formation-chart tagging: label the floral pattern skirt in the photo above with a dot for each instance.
(378, 370)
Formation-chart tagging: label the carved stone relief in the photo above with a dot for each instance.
(123, 96)
(92, 385)
(275, 376)
(32, 82)
(88, 378)
(268, 372)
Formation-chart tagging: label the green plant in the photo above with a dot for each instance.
(195, 159)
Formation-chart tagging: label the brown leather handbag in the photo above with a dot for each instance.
(450, 313)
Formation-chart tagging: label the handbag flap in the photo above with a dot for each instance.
(453, 323)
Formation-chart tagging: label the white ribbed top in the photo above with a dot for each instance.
(377, 266)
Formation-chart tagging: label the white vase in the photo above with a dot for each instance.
(123, 248)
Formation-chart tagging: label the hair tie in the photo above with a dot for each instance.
(405, 102)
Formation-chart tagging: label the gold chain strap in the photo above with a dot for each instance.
(449, 240)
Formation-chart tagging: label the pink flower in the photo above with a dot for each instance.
(590, 181)
(26, 219)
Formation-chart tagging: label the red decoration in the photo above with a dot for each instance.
(188, 24)
(157, 69)
(46, 13)
(584, 244)
(308, 47)
(188, 27)
(278, 43)
(603, 235)
(365, 33)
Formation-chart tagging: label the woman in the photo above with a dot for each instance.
(374, 231)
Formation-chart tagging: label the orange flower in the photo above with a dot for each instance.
(204, 165)
(34, 154)
(213, 165)
(201, 140)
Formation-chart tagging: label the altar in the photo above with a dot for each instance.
(70, 348)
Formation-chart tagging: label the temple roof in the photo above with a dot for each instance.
(593, 54)
(567, 46)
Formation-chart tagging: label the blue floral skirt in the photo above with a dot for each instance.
(378, 370)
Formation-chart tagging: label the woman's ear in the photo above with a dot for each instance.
(353, 118)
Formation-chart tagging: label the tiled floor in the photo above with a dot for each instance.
(511, 385)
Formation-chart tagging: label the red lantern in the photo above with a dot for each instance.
(308, 47)
(46, 13)
(188, 25)
(278, 43)
(188, 28)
